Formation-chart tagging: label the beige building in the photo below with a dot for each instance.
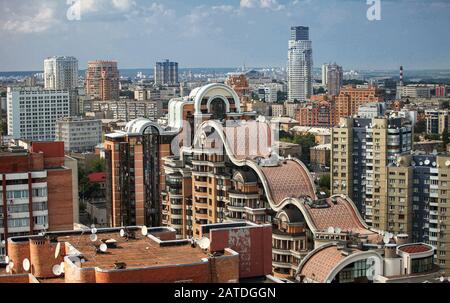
(102, 80)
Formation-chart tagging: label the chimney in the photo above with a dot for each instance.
(402, 239)
(390, 251)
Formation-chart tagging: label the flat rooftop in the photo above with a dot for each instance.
(143, 251)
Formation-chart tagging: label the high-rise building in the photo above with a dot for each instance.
(300, 65)
(61, 73)
(351, 97)
(102, 80)
(335, 78)
(441, 90)
(166, 73)
(324, 74)
(33, 111)
(36, 192)
(362, 149)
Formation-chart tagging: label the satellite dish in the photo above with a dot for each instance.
(103, 247)
(57, 250)
(83, 260)
(26, 264)
(93, 237)
(434, 164)
(62, 267)
(442, 279)
(427, 162)
(386, 239)
(94, 230)
(413, 163)
(338, 230)
(11, 264)
(122, 233)
(57, 270)
(144, 230)
(204, 243)
(447, 163)
(7, 259)
(330, 230)
(8, 270)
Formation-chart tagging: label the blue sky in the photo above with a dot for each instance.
(218, 33)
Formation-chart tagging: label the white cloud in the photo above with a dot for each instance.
(264, 4)
(40, 22)
(123, 5)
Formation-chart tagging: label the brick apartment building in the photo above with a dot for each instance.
(36, 192)
(236, 252)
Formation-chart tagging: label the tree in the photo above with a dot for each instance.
(432, 137)
(445, 104)
(420, 127)
(98, 166)
(325, 181)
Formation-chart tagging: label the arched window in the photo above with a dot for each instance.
(218, 109)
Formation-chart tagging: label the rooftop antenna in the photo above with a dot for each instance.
(26, 264)
(144, 231)
(204, 243)
(57, 250)
(56, 269)
(93, 237)
(103, 248)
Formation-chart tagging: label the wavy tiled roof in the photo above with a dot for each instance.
(288, 180)
(321, 263)
(341, 215)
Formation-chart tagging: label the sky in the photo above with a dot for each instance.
(219, 33)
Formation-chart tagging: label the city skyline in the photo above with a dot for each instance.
(211, 32)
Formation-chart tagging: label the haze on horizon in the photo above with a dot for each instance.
(214, 33)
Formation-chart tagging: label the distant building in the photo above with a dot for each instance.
(125, 110)
(320, 155)
(334, 77)
(33, 112)
(102, 80)
(238, 82)
(37, 191)
(61, 73)
(166, 73)
(414, 91)
(317, 114)
(437, 121)
(441, 90)
(372, 110)
(300, 65)
(78, 134)
(352, 97)
(277, 110)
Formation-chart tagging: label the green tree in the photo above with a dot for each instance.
(445, 104)
(325, 183)
(98, 166)
(420, 127)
